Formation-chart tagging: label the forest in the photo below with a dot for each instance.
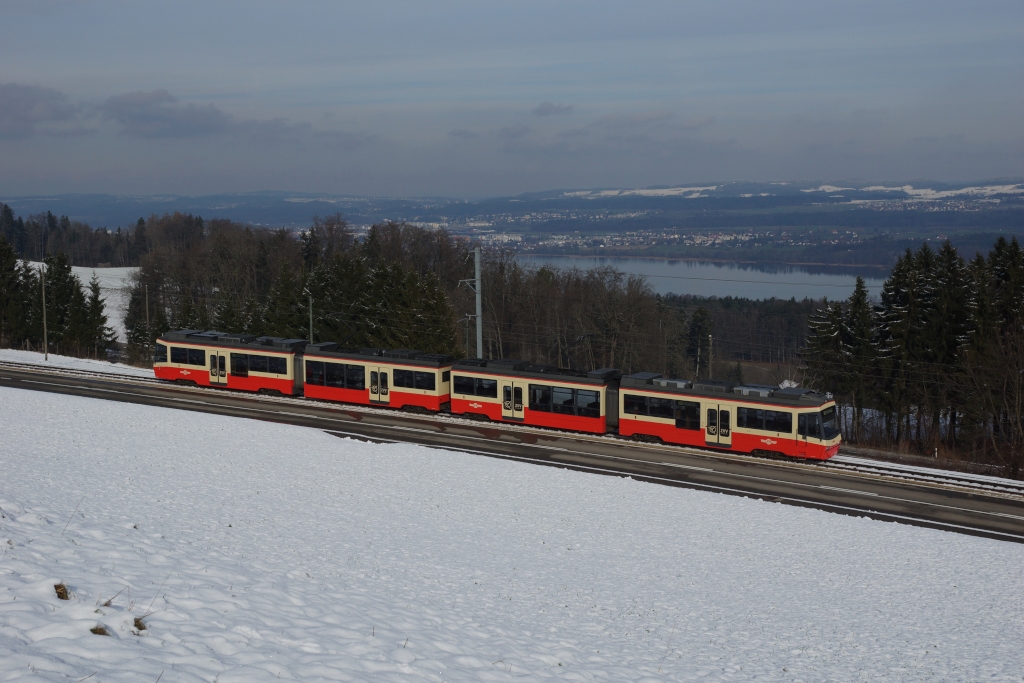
(935, 366)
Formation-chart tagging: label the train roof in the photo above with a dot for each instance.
(404, 356)
(521, 368)
(214, 338)
(721, 388)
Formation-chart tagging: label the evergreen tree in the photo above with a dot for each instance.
(895, 331)
(1006, 265)
(284, 309)
(13, 303)
(66, 313)
(858, 353)
(227, 316)
(948, 333)
(824, 351)
(101, 335)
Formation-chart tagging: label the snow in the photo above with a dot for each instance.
(688, 192)
(827, 188)
(254, 551)
(71, 363)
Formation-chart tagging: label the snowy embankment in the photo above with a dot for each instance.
(253, 551)
(72, 363)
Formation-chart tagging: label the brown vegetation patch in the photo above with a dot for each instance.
(62, 591)
(139, 624)
(99, 630)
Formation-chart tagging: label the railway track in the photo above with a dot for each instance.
(850, 486)
(843, 463)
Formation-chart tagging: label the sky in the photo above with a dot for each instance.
(476, 99)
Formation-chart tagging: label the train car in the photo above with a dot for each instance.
(722, 415)
(397, 379)
(515, 391)
(232, 361)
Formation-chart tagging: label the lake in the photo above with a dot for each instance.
(748, 280)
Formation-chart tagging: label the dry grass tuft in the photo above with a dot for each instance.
(62, 591)
(139, 624)
(99, 630)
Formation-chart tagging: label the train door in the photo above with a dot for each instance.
(718, 431)
(512, 399)
(218, 367)
(380, 386)
(807, 425)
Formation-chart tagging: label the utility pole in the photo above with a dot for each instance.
(711, 356)
(42, 279)
(310, 318)
(149, 330)
(696, 370)
(479, 308)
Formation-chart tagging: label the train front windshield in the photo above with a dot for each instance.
(829, 423)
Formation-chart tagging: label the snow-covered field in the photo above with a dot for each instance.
(71, 363)
(254, 551)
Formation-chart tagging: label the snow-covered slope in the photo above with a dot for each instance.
(72, 363)
(254, 551)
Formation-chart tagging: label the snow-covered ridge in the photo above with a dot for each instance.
(689, 192)
(253, 551)
(928, 193)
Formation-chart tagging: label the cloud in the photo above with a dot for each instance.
(635, 120)
(24, 107)
(550, 109)
(154, 114)
(513, 132)
(463, 134)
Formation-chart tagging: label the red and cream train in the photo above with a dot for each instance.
(707, 413)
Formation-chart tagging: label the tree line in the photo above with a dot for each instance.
(937, 364)
(44, 233)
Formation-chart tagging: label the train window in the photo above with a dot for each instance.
(487, 388)
(687, 415)
(355, 377)
(446, 376)
(196, 357)
(634, 405)
(240, 365)
(257, 364)
(277, 365)
(179, 355)
(659, 407)
(334, 375)
(160, 353)
(750, 418)
(464, 385)
(588, 403)
(830, 427)
(778, 421)
(404, 379)
(801, 428)
(314, 371)
(712, 419)
(562, 400)
(540, 398)
(425, 380)
(814, 425)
